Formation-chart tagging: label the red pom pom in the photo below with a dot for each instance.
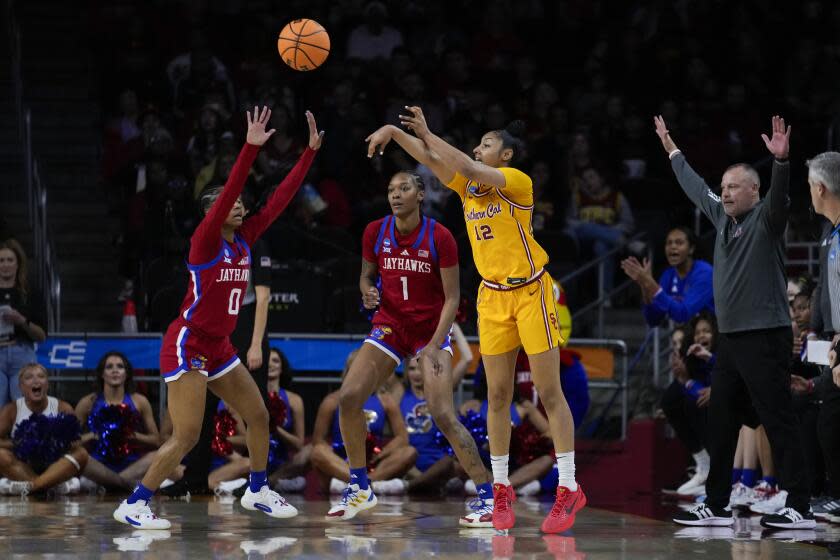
(277, 411)
(224, 427)
(528, 444)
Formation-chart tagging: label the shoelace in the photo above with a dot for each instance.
(277, 498)
(790, 513)
(502, 502)
(345, 496)
(559, 507)
(697, 508)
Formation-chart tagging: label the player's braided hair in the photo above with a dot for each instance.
(207, 197)
(418, 180)
(511, 137)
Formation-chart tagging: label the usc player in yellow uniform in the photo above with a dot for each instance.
(515, 299)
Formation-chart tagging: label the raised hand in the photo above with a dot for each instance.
(635, 270)
(416, 122)
(779, 143)
(664, 135)
(378, 140)
(315, 137)
(700, 351)
(257, 134)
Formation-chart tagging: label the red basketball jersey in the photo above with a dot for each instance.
(409, 269)
(216, 289)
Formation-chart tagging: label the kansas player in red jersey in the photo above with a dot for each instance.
(196, 353)
(416, 260)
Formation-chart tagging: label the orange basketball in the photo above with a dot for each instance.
(304, 44)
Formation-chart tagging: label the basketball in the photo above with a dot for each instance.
(304, 44)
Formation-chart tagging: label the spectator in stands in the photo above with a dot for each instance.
(20, 477)
(123, 135)
(203, 147)
(684, 288)
(282, 149)
(805, 402)
(195, 73)
(544, 217)
(22, 318)
(114, 390)
(600, 219)
(373, 39)
(685, 401)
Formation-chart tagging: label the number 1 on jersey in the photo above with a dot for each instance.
(404, 280)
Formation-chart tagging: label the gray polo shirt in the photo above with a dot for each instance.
(749, 272)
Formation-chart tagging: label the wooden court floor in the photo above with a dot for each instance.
(82, 527)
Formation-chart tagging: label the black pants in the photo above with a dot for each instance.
(751, 385)
(807, 411)
(199, 459)
(829, 434)
(688, 420)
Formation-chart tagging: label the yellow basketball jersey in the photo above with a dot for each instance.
(499, 225)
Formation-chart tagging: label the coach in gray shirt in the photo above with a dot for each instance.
(750, 382)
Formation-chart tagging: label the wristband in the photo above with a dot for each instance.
(674, 152)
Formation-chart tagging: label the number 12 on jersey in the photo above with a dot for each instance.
(483, 232)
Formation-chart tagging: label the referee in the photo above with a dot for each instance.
(750, 382)
(824, 183)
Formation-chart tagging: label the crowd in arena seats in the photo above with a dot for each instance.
(175, 89)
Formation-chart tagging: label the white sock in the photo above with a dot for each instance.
(702, 460)
(499, 463)
(566, 470)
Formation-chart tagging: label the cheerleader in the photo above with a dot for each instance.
(22, 477)
(118, 424)
(288, 455)
(388, 463)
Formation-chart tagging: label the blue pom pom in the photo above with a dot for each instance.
(114, 425)
(41, 440)
(477, 427)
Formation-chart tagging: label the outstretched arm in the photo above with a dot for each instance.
(415, 147)
(777, 196)
(254, 227)
(207, 239)
(452, 157)
(692, 184)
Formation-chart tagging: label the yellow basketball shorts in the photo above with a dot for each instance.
(522, 316)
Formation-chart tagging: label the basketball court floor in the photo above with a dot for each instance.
(82, 527)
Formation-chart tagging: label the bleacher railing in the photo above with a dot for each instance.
(42, 257)
(322, 355)
(599, 264)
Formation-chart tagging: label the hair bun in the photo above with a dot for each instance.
(516, 128)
